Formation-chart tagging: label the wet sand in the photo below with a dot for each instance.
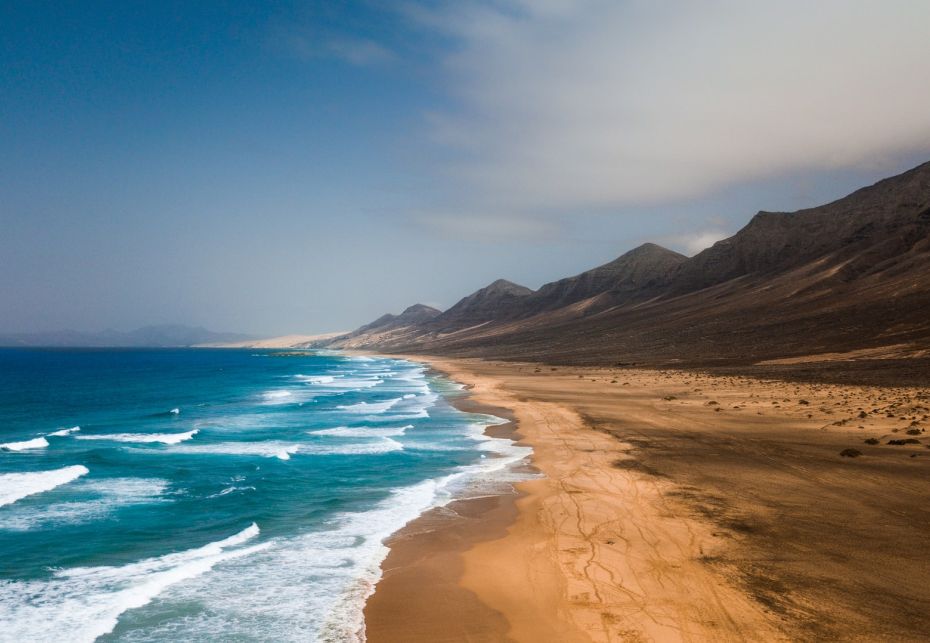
(679, 506)
(419, 597)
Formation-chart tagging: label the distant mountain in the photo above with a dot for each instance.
(166, 335)
(386, 329)
(639, 274)
(416, 314)
(849, 276)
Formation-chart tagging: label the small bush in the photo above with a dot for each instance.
(850, 453)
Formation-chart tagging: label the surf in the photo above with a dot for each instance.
(142, 438)
(25, 445)
(84, 603)
(16, 486)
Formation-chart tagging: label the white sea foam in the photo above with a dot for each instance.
(100, 498)
(315, 379)
(497, 465)
(369, 407)
(419, 402)
(139, 438)
(268, 449)
(240, 422)
(16, 486)
(84, 603)
(60, 433)
(400, 417)
(232, 489)
(314, 587)
(332, 384)
(410, 408)
(363, 431)
(280, 396)
(373, 447)
(175, 411)
(310, 587)
(25, 445)
(284, 450)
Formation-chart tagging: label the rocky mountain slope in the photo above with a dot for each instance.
(497, 301)
(851, 275)
(641, 273)
(387, 329)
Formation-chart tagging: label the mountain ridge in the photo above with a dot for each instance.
(852, 274)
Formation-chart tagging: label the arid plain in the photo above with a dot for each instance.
(678, 506)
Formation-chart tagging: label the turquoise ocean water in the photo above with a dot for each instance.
(204, 495)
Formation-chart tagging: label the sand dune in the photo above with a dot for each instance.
(284, 341)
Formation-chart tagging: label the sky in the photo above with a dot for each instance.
(301, 167)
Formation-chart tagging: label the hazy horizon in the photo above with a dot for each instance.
(307, 168)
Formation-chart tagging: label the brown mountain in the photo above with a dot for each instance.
(641, 273)
(859, 232)
(388, 328)
(495, 302)
(412, 315)
(852, 275)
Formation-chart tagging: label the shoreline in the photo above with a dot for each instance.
(678, 505)
(425, 557)
(494, 569)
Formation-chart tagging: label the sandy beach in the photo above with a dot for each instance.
(677, 506)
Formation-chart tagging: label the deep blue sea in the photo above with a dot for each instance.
(217, 495)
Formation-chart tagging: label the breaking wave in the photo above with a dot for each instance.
(16, 486)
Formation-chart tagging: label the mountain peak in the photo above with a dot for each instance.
(416, 314)
(635, 275)
(646, 252)
(650, 248)
(502, 286)
(420, 310)
(501, 299)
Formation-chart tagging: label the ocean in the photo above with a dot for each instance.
(204, 495)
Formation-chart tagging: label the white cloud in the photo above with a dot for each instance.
(603, 103)
(693, 243)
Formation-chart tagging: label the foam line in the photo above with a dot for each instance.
(164, 438)
(60, 433)
(83, 603)
(16, 486)
(25, 445)
(369, 407)
(364, 431)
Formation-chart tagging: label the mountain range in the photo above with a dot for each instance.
(848, 277)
